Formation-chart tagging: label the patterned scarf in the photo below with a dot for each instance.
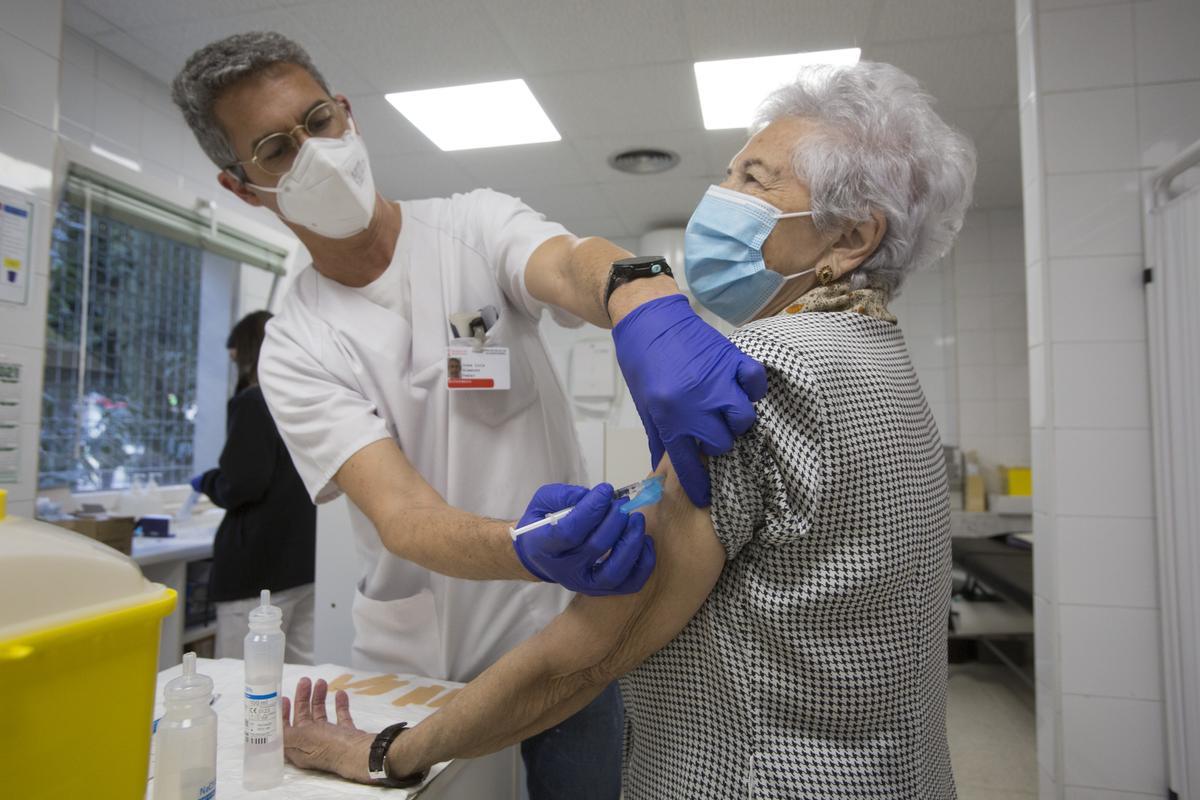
(839, 296)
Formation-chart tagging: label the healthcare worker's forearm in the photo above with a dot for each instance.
(454, 543)
(415, 522)
(572, 273)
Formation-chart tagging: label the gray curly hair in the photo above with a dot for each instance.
(217, 66)
(880, 146)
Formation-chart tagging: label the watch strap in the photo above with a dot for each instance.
(630, 269)
(377, 767)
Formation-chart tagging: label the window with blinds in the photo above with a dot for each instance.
(137, 315)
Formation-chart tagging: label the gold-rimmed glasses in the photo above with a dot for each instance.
(275, 152)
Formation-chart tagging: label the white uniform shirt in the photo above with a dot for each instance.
(340, 371)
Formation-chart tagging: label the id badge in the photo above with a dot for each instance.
(486, 369)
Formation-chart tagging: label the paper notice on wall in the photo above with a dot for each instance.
(16, 238)
(10, 417)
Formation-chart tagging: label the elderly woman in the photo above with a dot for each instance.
(792, 642)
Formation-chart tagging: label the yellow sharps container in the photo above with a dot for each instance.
(79, 632)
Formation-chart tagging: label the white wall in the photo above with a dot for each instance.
(30, 36)
(992, 365)
(1108, 91)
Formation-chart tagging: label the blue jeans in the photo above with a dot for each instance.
(580, 758)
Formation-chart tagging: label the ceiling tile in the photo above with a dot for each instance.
(139, 13)
(661, 202)
(385, 129)
(928, 19)
(723, 29)
(419, 175)
(576, 201)
(964, 72)
(502, 168)
(722, 147)
(651, 97)
(584, 34)
(604, 227)
(402, 46)
(690, 145)
(82, 19)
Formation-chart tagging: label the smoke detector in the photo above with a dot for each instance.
(643, 160)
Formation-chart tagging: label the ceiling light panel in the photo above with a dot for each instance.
(494, 114)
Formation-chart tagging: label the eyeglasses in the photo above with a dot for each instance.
(275, 153)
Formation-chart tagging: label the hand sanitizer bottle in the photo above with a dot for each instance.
(185, 761)
(262, 765)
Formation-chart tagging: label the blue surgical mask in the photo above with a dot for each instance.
(723, 258)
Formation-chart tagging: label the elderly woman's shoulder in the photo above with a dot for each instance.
(813, 341)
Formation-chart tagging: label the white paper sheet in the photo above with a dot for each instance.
(373, 702)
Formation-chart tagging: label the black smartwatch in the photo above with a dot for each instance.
(377, 766)
(630, 269)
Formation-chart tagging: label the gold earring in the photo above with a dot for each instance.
(825, 275)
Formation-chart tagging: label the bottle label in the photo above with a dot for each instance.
(262, 714)
(208, 791)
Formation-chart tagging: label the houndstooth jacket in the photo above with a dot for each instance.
(816, 668)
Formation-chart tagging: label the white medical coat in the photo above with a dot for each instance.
(340, 372)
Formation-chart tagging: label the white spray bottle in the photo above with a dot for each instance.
(185, 747)
(262, 763)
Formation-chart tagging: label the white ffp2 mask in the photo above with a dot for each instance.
(329, 189)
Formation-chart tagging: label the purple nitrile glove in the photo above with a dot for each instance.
(569, 553)
(694, 390)
(197, 482)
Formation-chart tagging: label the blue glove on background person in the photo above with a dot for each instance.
(569, 552)
(694, 390)
(197, 482)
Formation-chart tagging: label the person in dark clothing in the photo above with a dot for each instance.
(267, 539)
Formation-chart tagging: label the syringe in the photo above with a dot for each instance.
(639, 493)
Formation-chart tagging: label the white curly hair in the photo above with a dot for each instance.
(878, 146)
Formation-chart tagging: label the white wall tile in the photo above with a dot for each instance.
(1103, 473)
(162, 137)
(1012, 419)
(1010, 347)
(1101, 385)
(118, 116)
(1008, 276)
(1031, 148)
(1045, 557)
(1085, 48)
(77, 96)
(973, 243)
(974, 312)
(119, 73)
(974, 349)
(28, 80)
(1008, 312)
(972, 280)
(1094, 214)
(1118, 744)
(1047, 714)
(1166, 42)
(1035, 312)
(1107, 561)
(1041, 448)
(976, 418)
(1038, 387)
(1047, 787)
(32, 146)
(1168, 120)
(1045, 642)
(1097, 299)
(1112, 652)
(976, 382)
(1091, 131)
(1012, 382)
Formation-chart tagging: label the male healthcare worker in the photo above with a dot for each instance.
(355, 369)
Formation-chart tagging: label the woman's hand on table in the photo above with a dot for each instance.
(311, 741)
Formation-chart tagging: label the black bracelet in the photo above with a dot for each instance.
(377, 766)
(630, 269)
